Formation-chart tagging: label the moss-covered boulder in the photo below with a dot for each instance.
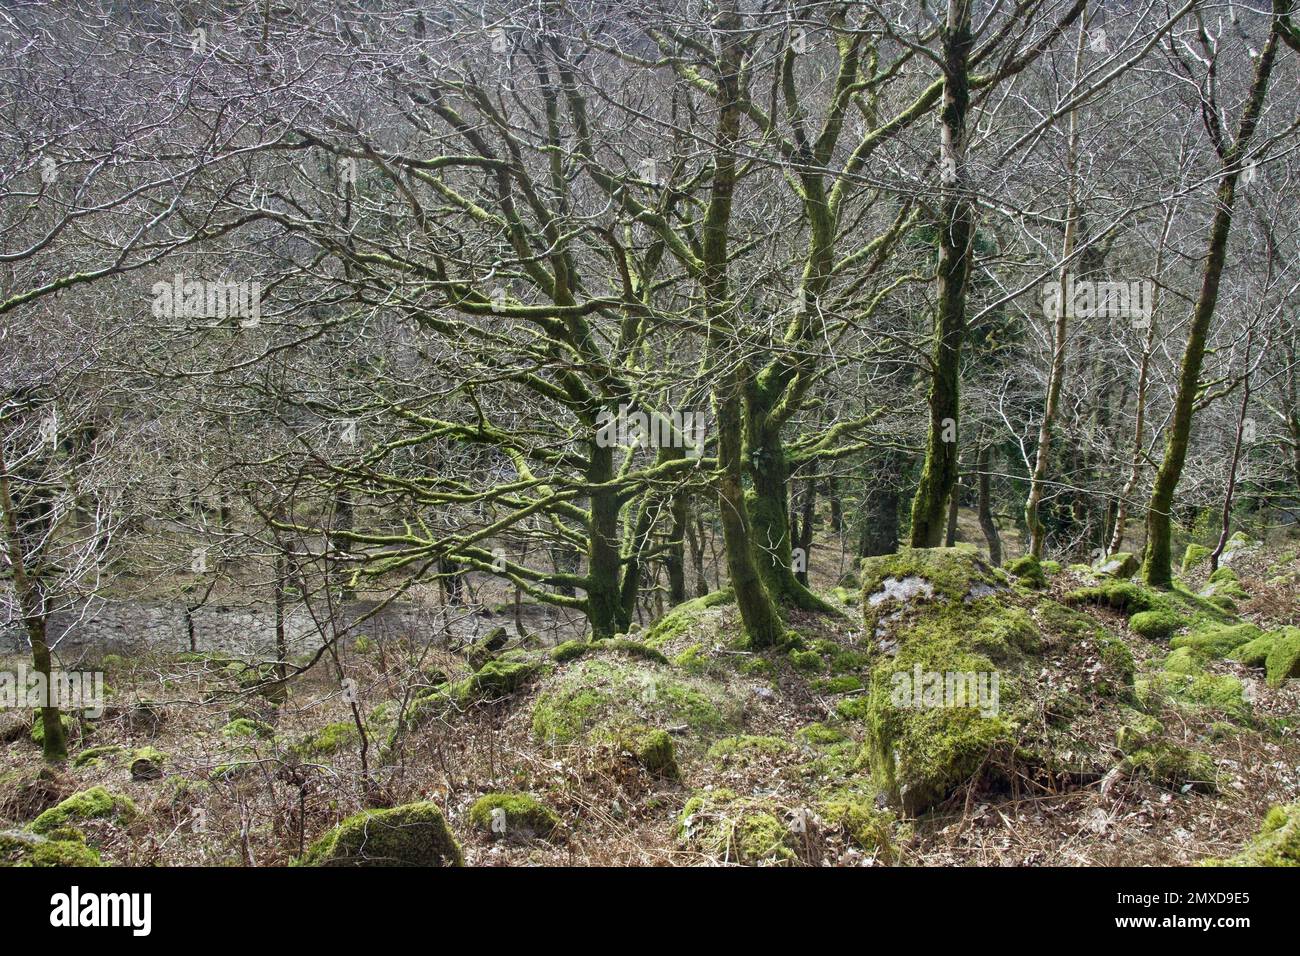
(21, 848)
(869, 827)
(496, 680)
(1195, 691)
(603, 695)
(1121, 564)
(96, 803)
(1120, 595)
(938, 626)
(1217, 641)
(412, 835)
(1156, 624)
(94, 755)
(147, 764)
(734, 829)
(1283, 660)
(686, 616)
(513, 814)
(1028, 570)
(1137, 731)
(653, 749)
(1194, 556)
(329, 740)
(1276, 844)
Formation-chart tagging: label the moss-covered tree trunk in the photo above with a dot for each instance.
(1158, 564)
(984, 505)
(31, 603)
(939, 472)
(758, 613)
(605, 607)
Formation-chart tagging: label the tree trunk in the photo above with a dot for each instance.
(939, 473)
(1158, 565)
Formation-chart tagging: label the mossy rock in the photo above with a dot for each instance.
(1195, 555)
(807, 662)
(1276, 844)
(1197, 691)
(246, 728)
(915, 576)
(839, 684)
(1028, 570)
(569, 651)
(1124, 596)
(1121, 564)
(511, 814)
(93, 755)
(412, 835)
(1182, 661)
(1137, 731)
(733, 829)
(1156, 624)
(685, 616)
(1170, 765)
(1283, 660)
(623, 645)
(147, 763)
(96, 803)
(869, 827)
(329, 740)
(22, 849)
(653, 749)
(600, 696)
(1216, 643)
(496, 680)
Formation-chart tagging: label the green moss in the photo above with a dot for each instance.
(736, 829)
(93, 804)
(1156, 624)
(147, 763)
(603, 695)
(1218, 694)
(807, 662)
(330, 739)
(653, 749)
(683, 616)
(847, 596)
(31, 850)
(1254, 653)
(1050, 568)
(1223, 575)
(1137, 731)
(1276, 844)
(519, 813)
(569, 651)
(93, 755)
(949, 575)
(820, 735)
(839, 684)
(495, 680)
(1121, 564)
(694, 659)
(871, 829)
(1120, 595)
(1283, 661)
(411, 835)
(746, 747)
(243, 728)
(1028, 570)
(1217, 642)
(1182, 661)
(1170, 765)
(38, 727)
(757, 667)
(1193, 556)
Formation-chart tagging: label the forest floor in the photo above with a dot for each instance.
(770, 759)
